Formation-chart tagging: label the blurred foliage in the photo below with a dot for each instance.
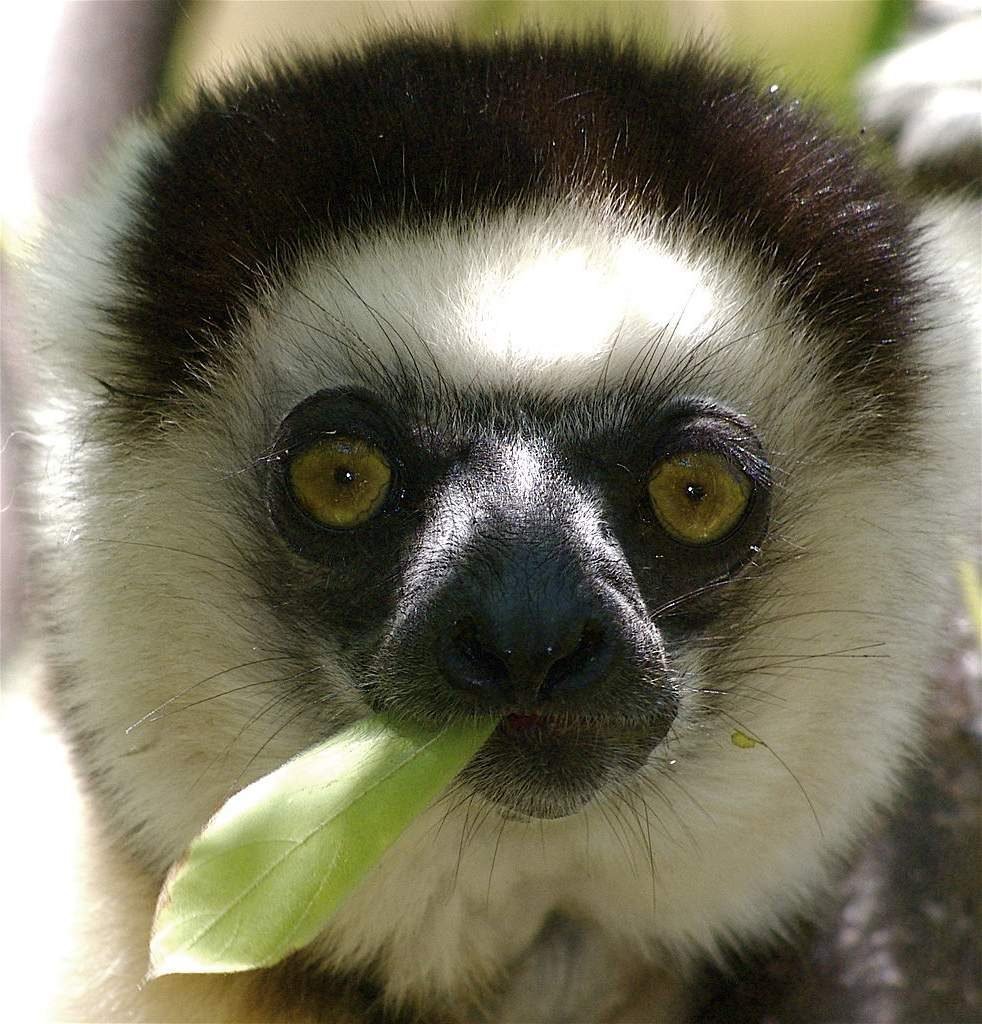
(972, 590)
(812, 48)
(892, 20)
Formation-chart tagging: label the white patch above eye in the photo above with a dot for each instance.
(663, 287)
(545, 299)
(566, 301)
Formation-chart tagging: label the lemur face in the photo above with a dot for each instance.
(496, 564)
(533, 555)
(530, 380)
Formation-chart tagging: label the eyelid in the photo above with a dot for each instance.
(726, 435)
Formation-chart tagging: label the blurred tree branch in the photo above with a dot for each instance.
(107, 63)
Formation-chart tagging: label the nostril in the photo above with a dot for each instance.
(583, 665)
(469, 663)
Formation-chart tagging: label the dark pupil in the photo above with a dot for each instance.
(695, 493)
(344, 476)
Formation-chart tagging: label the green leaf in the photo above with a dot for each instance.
(742, 740)
(279, 857)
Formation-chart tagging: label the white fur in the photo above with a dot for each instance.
(739, 838)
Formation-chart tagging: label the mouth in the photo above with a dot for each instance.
(552, 765)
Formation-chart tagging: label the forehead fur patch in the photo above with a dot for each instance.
(415, 131)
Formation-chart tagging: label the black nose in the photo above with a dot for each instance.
(524, 651)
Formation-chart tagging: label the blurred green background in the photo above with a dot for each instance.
(814, 46)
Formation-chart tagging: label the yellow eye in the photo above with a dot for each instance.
(698, 497)
(341, 481)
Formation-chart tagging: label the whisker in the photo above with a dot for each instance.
(784, 764)
(149, 716)
(238, 689)
(272, 736)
